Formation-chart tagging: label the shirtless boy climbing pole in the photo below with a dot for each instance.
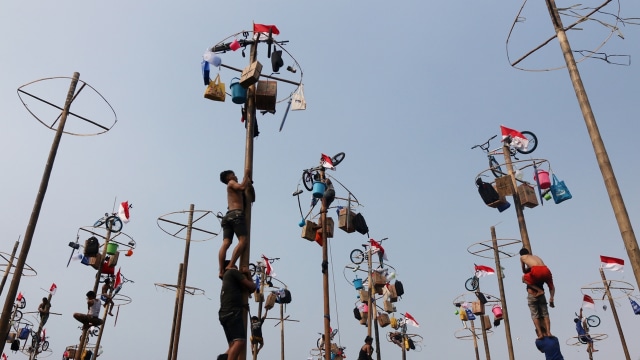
(234, 220)
(536, 273)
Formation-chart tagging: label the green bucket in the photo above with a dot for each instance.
(112, 248)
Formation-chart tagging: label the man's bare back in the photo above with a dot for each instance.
(235, 191)
(531, 260)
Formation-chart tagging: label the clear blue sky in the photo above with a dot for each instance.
(403, 88)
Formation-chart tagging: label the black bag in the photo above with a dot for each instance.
(91, 246)
(15, 345)
(356, 313)
(360, 224)
(88, 355)
(399, 288)
(412, 346)
(481, 297)
(487, 192)
(285, 299)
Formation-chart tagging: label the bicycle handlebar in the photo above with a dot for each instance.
(484, 146)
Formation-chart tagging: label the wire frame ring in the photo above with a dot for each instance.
(477, 333)
(179, 227)
(119, 238)
(102, 128)
(581, 19)
(481, 248)
(597, 287)
(574, 341)
(245, 33)
(189, 290)
(4, 262)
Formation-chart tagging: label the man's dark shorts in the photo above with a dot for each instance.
(233, 222)
(537, 306)
(232, 324)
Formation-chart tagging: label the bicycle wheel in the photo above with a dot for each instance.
(533, 142)
(472, 283)
(593, 321)
(337, 158)
(98, 222)
(307, 180)
(45, 345)
(23, 303)
(357, 256)
(114, 224)
(252, 269)
(17, 315)
(495, 167)
(320, 344)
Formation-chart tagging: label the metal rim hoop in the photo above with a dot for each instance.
(245, 34)
(103, 128)
(487, 245)
(592, 52)
(190, 290)
(201, 215)
(27, 271)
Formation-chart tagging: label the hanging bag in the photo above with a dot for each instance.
(297, 99)
(215, 90)
(559, 190)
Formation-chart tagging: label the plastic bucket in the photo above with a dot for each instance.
(357, 283)
(112, 248)
(543, 179)
(238, 93)
(318, 189)
(497, 311)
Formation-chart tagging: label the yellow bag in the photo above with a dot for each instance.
(215, 90)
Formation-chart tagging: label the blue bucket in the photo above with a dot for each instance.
(357, 283)
(318, 189)
(238, 93)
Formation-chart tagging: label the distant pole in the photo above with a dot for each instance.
(325, 279)
(485, 341)
(35, 214)
(375, 325)
(612, 305)
(610, 182)
(281, 331)
(404, 340)
(475, 339)
(32, 355)
(175, 313)
(503, 296)
(183, 285)
(9, 265)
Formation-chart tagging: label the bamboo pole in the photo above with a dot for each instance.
(175, 313)
(9, 265)
(608, 176)
(503, 296)
(615, 315)
(5, 318)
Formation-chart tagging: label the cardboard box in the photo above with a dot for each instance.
(487, 322)
(527, 195)
(504, 185)
(309, 230)
(378, 279)
(389, 307)
(250, 74)
(266, 92)
(393, 295)
(383, 319)
(364, 295)
(477, 308)
(95, 261)
(345, 220)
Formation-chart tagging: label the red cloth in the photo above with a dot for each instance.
(538, 275)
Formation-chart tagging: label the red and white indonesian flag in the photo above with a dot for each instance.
(410, 320)
(53, 288)
(118, 279)
(268, 268)
(261, 31)
(587, 302)
(482, 270)
(517, 139)
(19, 298)
(123, 212)
(611, 263)
(326, 161)
(376, 247)
(4, 356)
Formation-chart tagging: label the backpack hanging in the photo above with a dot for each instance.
(360, 224)
(399, 288)
(356, 313)
(284, 299)
(15, 345)
(91, 246)
(487, 192)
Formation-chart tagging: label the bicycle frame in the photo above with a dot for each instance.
(494, 165)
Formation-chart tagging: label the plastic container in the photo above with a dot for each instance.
(112, 248)
(238, 93)
(542, 177)
(357, 283)
(318, 189)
